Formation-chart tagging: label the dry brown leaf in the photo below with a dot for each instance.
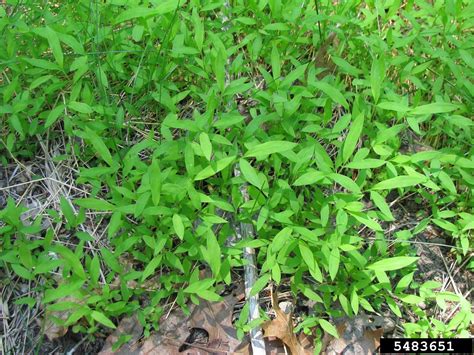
(355, 337)
(216, 318)
(282, 328)
(52, 329)
(177, 333)
(127, 326)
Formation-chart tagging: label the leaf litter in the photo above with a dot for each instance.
(208, 329)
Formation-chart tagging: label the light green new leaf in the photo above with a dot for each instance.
(80, 107)
(65, 289)
(365, 164)
(151, 267)
(53, 41)
(141, 204)
(334, 260)
(354, 301)
(214, 168)
(22, 272)
(369, 222)
(332, 92)
(346, 66)
(399, 181)
(345, 182)
(94, 204)
(437, 107)
(99, 146)
(390, 264)
(377, 75)
(329, 328)
(162, 8)
(259, 284)
(295, 75)
(199, 285)
(206, 145)
(308, 258)
(101, 318)
(447, 182)
(67, 211)
(53, 115)
(379, 201)
(276, 62)
(393, 106)
(178, 226)
(111, 260)
(71, 259)
(306, 254)
(282, 238)
(249, 173)
(198, 29)
(270, 148)
(309, 178)
(209, 295)
(94, 270)
(352, 137)
(214, 250)
(154, 175)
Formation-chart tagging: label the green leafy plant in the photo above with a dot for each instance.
(336, 115)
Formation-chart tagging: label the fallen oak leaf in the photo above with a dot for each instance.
(57, 314)
(216, 319)
(179, 334)
(355, 337)
(128, 326)
(282, 328)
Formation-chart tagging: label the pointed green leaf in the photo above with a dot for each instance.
(199, 285)
(345, 182)
(393, 106)
(99, 146)
(334, 260)
(399, 181)
(249, 173)
(329, 328)
(94, 204)
(379, 201)
(333, 93)
(154, 175)
(309, 178)
(101, 318)
(53, 41)
(111, 260)
(151, 267)
(215, 256)
(365, 164)
(276, 62)
(352, 138)
(178, 226)
(390, 264)
(377, 76)
(270, 148)
(80, 107)
(438, 107)
(67, 211)
(214, 168)
(162, 8)
(206, 145)
(54, 115)
(259, 284)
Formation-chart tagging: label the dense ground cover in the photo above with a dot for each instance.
(122, 124)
